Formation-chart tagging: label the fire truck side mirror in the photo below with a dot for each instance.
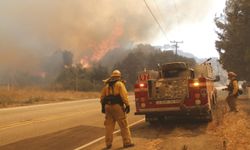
(158, 67)
(217, 78)
(192, 74)
(159, 70)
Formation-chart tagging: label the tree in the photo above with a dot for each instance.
(134, 62)
(67, 58)
(67, 79)
(97, 74)
(233, 42)
(74, 78)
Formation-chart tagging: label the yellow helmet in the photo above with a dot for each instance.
(116, 73)
(232, 74)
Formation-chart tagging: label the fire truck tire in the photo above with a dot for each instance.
(149, 119)
(153, 119)
(152, 122)
(209, 116)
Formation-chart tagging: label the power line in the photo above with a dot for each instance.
(176, 10)
(163, 31)
(158, 8)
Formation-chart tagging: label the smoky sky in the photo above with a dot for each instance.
(31, 30)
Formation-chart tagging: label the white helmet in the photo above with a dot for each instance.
(232, 74)
(116, 73)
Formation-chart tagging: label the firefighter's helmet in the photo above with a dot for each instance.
(116, 73)
(231, 74)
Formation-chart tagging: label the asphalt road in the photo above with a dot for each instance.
(66, 125)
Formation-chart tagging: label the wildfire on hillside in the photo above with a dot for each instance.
(85, 62)
(101, 49)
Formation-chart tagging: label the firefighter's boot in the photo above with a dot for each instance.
(231, 101)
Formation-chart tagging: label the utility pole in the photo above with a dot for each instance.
(75, 73)
(176, 45)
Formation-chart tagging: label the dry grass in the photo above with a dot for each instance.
(28, 96)
(235, 131)
(234, 128)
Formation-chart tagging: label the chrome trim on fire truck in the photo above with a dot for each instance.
(168, 102)
(141, 89)
(159, 109)
(206, 106)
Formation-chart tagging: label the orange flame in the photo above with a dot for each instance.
(100, 50)
(85, 62)
(107, 44)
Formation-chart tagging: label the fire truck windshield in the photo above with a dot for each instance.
(172, 73)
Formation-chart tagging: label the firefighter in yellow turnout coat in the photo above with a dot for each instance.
(233, 89)
(113, 98)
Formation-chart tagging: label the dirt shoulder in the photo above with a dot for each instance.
(235, 127)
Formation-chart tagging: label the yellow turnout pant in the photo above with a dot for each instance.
(115, 113)
(231, 101)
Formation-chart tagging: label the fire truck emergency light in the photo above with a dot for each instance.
(196, 84)
(141, 85)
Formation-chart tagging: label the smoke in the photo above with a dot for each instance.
(30, 31)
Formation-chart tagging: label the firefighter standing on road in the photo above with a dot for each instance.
(232, 88)
(113, 98)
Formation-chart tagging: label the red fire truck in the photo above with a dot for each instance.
(176, 90)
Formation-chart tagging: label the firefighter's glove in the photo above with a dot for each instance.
(103, 108)
(127, 109)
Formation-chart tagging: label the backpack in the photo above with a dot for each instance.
(240, 92)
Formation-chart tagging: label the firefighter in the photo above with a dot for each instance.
(113, 98)
(232, 88)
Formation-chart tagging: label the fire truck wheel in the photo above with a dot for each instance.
(210, 116)
(151, 119)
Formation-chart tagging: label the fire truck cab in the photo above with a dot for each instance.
(176, 90)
